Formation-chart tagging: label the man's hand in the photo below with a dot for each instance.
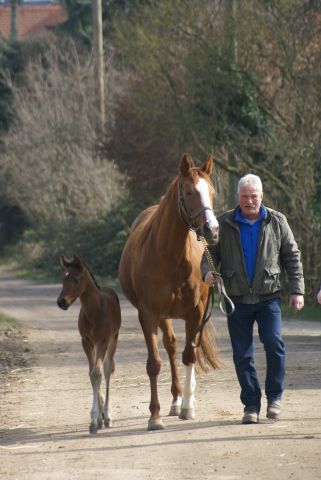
(209, 279)
(296, 301)
(319, 296)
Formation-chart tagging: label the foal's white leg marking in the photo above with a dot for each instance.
(95, 377)
(107, 409)
(203, 188)
(188, 402)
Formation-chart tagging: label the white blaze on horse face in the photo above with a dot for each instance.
(203, 188)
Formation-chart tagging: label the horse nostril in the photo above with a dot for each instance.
(207, 229)
(62, 304)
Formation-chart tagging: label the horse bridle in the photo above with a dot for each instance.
(187, 217)
(189, 220)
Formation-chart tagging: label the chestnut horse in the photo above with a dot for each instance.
(98, 323)
(160, 275)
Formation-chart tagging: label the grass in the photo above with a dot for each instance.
(34, 274)
(309, 312)
(8, 323)
(39, 275)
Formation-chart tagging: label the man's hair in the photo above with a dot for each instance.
(250, 181)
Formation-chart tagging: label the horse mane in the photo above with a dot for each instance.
(172, 189)
(170, 193)
(92, 276)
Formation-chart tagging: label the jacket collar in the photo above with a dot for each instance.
(231, 216)
(239, 217)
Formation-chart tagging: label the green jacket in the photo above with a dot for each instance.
(277, 252)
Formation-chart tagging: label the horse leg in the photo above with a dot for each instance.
(170, 344)
(109, 368)
(150, 326)
(189, 357)
(95, 378)
(89, 351)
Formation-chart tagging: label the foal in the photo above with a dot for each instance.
(98, 323)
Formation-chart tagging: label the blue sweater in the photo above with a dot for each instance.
(249, 232)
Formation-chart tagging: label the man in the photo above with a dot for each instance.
(319, 295)
(256, 245)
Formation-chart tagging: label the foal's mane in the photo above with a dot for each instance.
(92, 276)
(86, 267)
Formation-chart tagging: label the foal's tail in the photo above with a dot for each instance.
(207, 355)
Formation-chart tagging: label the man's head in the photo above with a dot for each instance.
(250, 193)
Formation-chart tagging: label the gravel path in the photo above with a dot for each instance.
(44, 407)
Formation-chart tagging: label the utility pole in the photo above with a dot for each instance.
(231, 53)
(98, 47)
(13, 26)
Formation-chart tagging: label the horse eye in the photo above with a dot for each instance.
(188, 193)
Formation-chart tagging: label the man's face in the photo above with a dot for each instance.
(250, 200)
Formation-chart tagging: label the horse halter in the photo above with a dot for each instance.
(187, 217)
(189, 220)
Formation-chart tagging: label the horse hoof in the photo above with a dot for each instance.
(187, 414)
(174, 411)
(155, 424)
(100, 424)
(108, 423)
(93, 429)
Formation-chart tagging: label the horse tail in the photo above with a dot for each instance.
(207, 355)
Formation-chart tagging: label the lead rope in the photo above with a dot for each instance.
(218, 280)
(210, 298)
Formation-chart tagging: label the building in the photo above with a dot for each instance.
(28, 18)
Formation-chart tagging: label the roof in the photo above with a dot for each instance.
(31, 19)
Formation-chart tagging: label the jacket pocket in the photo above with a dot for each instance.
(272, 279)
(234, 285)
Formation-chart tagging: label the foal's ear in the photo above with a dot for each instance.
(208, 165)
(77, 262)
(64, 262)
(185, 165)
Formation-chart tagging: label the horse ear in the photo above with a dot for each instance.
(208, 165)
(64, 262)
(77, 262)
(185, 165)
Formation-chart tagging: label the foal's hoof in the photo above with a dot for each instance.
(187, 414)
(100, 423)
(174, 411)
(93, 429)
(155, 424)
(108, 422)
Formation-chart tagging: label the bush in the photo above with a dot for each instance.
(99, 243)
(49, 158)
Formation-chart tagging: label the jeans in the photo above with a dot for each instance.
(267, 314)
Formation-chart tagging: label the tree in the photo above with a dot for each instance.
(49, 159)
(185, 93)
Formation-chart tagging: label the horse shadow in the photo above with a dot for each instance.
(25, 437)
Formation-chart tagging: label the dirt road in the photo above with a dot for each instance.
(45, 407)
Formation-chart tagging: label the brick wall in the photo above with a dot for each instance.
(31, 19)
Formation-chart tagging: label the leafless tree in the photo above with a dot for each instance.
(50, 163)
